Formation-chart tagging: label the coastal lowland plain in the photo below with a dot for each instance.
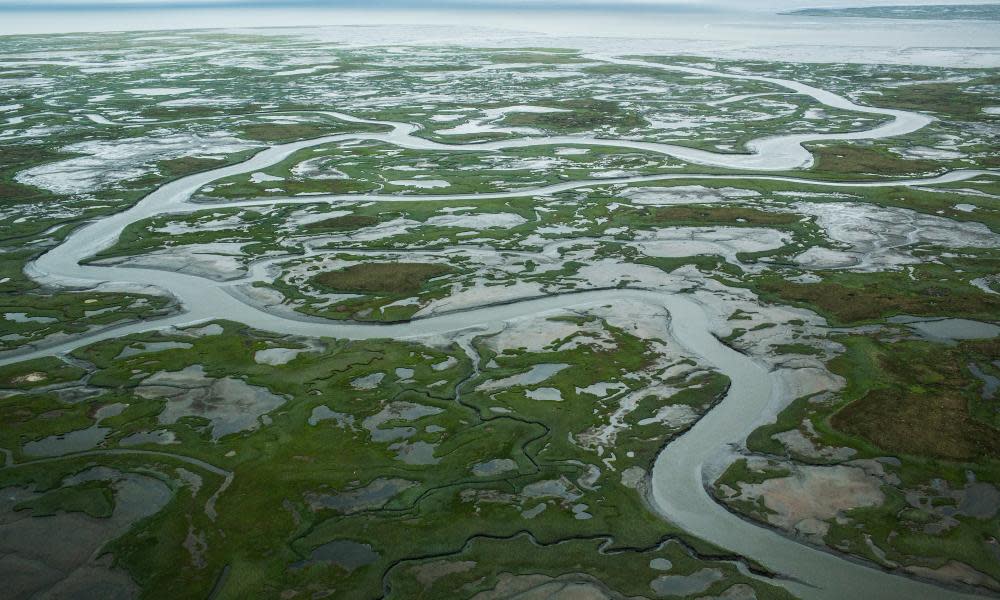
(284, 317)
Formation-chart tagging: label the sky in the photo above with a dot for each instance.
(607, 6)
(416, 4)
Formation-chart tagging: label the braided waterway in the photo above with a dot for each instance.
(678, 481)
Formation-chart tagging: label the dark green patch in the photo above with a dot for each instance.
(394, 278)
(94, 499)
(344, 223)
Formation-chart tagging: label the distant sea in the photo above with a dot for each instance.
(713, 28)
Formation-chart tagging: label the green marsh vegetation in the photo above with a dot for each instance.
(928, 289)
(920, 403)
(445, 512)
(275, 503)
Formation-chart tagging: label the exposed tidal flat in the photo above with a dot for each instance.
(507, 321)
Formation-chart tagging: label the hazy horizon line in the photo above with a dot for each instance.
(681, 5)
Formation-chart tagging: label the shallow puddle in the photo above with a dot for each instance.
(685, 585)
(344, 553)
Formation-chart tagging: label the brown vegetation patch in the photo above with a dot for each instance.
(933, 424)
(882, 297)
(16, 191)
(281, 132)
(581, 115)
(176, 167)
(921, 401)
(328, 186)
(396, 278)
(343, 223)
(856, 159)
(736, 215)
(186, 112)
(943, 98)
